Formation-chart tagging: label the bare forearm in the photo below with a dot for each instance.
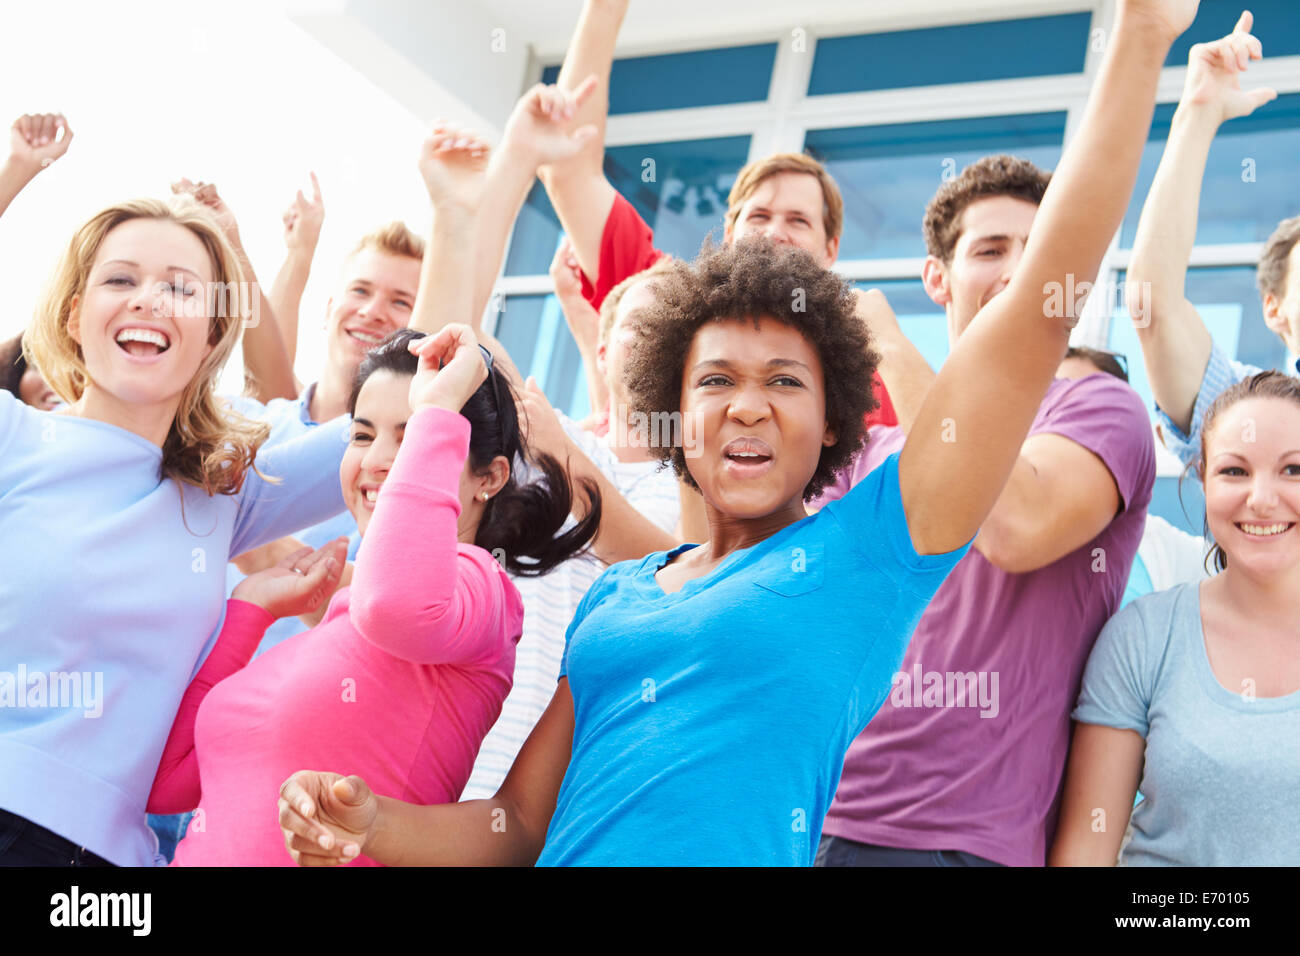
(511, 173)
(286, 296)
(906, 374)
(473, 833)
(446, 291)
(13, 177)
(591, 51)
(1175, 342)
(267, 364)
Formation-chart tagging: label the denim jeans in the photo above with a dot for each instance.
(24, 843)
(170, 830)
(837, 851)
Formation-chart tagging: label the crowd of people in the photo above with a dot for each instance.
(841, 609)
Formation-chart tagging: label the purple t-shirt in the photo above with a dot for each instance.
(968, 751)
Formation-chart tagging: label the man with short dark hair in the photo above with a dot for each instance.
(963, 764)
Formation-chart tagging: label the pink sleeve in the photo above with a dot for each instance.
(176, 785)
(417, 593)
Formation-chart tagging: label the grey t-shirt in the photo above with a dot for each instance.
(1222, 772)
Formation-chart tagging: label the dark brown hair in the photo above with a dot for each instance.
(991, 176)
(1271, 273)
(756, 279)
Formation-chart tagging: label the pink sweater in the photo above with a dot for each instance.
(398, 684)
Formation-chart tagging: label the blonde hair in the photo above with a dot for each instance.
(392, 239)
(609, 306)
(208, 445)
(753, 175)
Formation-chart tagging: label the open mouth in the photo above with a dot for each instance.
(1265, 530)
(747, 457)
(142, 343)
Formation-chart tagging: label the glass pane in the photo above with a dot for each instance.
(674, 81)
(1249, 177)
(1228, 301)
(1038, 46)
(680, 189)
(532, 329)
(888, 173)
(1276, 25)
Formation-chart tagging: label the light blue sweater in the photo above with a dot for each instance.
(112, 582)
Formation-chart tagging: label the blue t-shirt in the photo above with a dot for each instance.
(112, 581)
(711, 723)
(1221, 769)
(290, 419)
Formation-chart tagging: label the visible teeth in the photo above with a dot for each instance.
(1265, 529)
(372, 495)
(364, 337)
(142, 335)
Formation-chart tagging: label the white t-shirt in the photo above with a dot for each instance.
(549, 604)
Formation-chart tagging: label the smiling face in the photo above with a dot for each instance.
(1252, 484)
(759, 404)
(788, 207)
(988, 250)
(142, 321)
(375, 297)
(378, 426)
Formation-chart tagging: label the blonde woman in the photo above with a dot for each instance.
(129, 502)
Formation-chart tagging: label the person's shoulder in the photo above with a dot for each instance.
(1153, 617)
(1099, 389)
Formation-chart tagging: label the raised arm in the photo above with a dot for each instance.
(327, 819)
(583, 321)
(268, 369)
(980, 407)
(577, 187)
(302, 224)
(903, 369)
(35, 141)
(536, 133)
(1175, 342)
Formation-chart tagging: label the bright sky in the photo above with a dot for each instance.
(231, 93)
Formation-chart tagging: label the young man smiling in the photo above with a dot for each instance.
(942, 776)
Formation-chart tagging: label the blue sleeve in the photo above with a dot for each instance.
(1120, 676)
(872, 516)
(1220, 373)
(308, 490)
(10, 411)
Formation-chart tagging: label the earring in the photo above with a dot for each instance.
(482, 496)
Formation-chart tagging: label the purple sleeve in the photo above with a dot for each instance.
(882, 441)
(1106, 416)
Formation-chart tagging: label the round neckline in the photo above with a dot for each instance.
(1214, 686)
(107, 426)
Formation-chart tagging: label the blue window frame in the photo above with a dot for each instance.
(674, 81)
(532, 329)
(997, 50)
(1276, 25)
(888, 174)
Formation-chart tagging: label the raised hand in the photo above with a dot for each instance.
(451, 369)
(538, 123)
(206, 194)
(453, 162)
(1214, 73)
(566, 275)
(326, 818)
(38, 139)
(542, 429)
(299, 584)
(303, 219)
